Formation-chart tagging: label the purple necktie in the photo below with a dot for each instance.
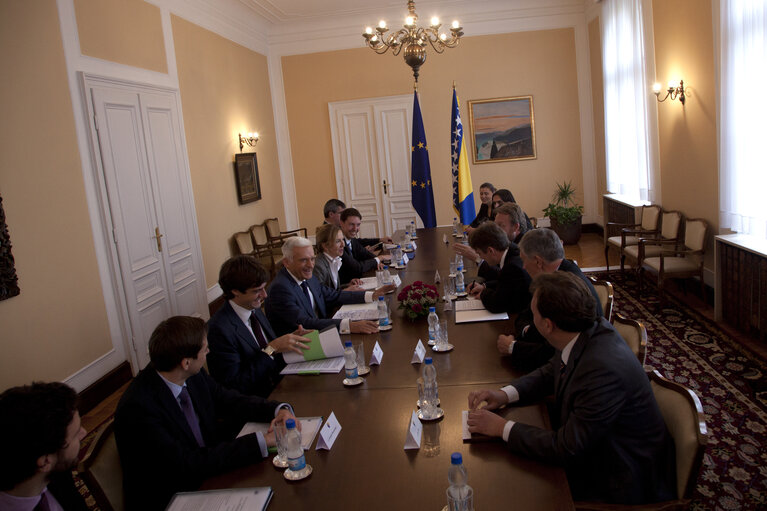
(256, 327)
(191, 417)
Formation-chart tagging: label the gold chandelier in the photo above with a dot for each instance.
(412, 39)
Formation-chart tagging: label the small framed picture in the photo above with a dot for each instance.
(246, 176)
(502, 129)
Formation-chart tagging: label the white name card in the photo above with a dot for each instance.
(418, 353)
(329, 433)
(414, 432)
(377, 356)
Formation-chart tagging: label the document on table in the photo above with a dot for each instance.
(358, 311)
(222, 500)
(472, 311)
(371, 283)
(472, 304)
(309, 428)
(324, 344)
(325, 365)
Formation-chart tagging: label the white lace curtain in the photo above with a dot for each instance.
(742, 116)
(626, 92)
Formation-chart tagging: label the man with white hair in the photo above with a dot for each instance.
(296, 297)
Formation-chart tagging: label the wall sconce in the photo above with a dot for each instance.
(250, 140)
(673, 91)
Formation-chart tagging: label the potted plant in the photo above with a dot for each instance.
(565, 215)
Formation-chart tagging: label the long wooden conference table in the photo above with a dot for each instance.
(367, 466)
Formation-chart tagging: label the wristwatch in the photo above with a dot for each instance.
(268, 350)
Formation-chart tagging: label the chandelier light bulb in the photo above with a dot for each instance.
(656, 88)
(374, 38)
(456, 24)
(369, 30)
(434, 21)
(443, 37)
(409, 21)
(382, 24)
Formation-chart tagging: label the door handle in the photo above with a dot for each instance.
(384, 185)
(157, 236)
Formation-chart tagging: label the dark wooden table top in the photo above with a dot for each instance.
(368, 462)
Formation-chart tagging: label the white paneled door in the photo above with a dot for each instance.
(149, 205)
(371, 152)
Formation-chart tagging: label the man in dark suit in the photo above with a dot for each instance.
(297, 298)
(175, 426)
(245, 354)
(40, 436)
(541, 252)
(332, 211)
(357, 259)
(510, 292)
(608, 432)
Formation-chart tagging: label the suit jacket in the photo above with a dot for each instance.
(608, 431)
(158, 451)
(511, 292)
(235, 359)
(483, 215)
(62, 487)
(287, 306)
(323, 273)
(532, 350)
(356, 262)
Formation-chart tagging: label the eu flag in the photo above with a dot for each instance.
(420, 171)
(463, 196)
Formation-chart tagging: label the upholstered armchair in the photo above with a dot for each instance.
(670, 224)
(634, 333)
(277, 236)
(631, 233)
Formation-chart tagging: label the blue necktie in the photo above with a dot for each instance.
(191, 417)
(305, 287)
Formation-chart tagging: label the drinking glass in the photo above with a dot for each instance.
(359, 349)
(379, 278)
(442, 339)
(464, 502)
(452, 269)
(281, 460)
(450, 286)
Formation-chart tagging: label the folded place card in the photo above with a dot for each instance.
(418, 353)
(375, 358)
(329, 433)
(414, 432)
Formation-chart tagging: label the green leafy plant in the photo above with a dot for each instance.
(563, 210)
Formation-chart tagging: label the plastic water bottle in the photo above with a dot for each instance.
(399, 255)
(386, 280)
(460, 494)
(296, 461)
(433, 322)
(350, 361)
(383, 313)
(460, 284)
(465, 239)
(408, 241)
(459, 260)
(412, 228)
(430, 391)
(455, 226)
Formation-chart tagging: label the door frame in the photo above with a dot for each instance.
(114, 285)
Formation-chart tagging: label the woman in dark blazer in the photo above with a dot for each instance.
(330, 248)
(486, 191)
(502, 196)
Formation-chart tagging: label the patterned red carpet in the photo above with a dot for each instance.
(730, 381)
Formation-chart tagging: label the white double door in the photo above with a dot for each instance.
(371, 151)
(147, 202)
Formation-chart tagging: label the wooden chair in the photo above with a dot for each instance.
(635, 335)
(277, 236)
(683, 415)
(605, 291)
(631, 233)
(670, 224)
(267, 252)
(244, 243)
(101, 470)
(675, 262)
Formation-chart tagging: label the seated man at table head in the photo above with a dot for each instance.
(330, 251)
(245, 354)
(175, 426)
(541, 252)
(607, 430)
(357, 260)
(509, 293)
(296, 297)
(40, 436)
(332, 211)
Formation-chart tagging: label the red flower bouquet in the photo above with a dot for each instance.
(416, 299)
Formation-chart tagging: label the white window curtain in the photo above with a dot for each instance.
(630, 151)
(742, 116)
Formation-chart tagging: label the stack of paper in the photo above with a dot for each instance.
(222, 500)
(358, 312)
(472, 310)
(309, 428)
(325, 354)
(371, 283)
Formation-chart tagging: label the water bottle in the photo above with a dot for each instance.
(465, 239)
(460, 284)
(459, 260)
(399, 255)
(433, 322)
(383, 314)
(459, 493)
(296, 460)
(408, 241)
(455, 226)
(386, 275)
(430, 392)
(350, 361)
(412, 228)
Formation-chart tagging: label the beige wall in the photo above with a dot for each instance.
(123, 31)
(598, 108)
(541, 64)
(57, 325)
(224, 91)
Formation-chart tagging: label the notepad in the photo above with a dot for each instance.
(471, 304)
(473, 316)
(222, 500)
(309, 428)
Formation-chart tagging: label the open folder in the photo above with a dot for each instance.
(235, 499)
(325, 354)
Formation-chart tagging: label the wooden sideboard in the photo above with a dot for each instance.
(741, 282)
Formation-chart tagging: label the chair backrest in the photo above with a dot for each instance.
(273, 227)
(695, 230)
(244, 242)
(605, 292)
(670, 223)
(650, 217)
(101, 470)
(634, 333)
(260, 234)
(683, 415)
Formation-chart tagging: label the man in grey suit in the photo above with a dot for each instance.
(608, 432)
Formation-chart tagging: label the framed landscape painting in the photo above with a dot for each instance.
(502, 129)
